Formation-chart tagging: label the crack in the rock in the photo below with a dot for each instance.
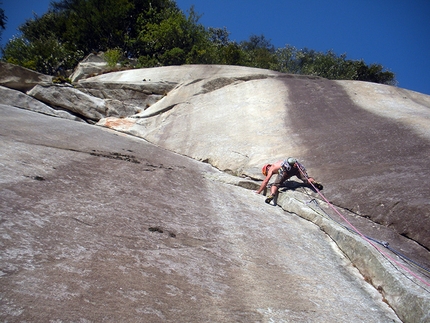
(83, 222)
(118, 156)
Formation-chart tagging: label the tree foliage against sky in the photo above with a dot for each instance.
(157, 33)
(3, 20)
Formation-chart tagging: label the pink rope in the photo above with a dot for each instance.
(362, 235)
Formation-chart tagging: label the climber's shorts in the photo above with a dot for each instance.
(280, 179)
(284, 175)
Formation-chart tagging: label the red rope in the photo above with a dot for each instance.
(362, 235)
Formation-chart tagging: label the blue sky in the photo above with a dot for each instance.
(393, 33)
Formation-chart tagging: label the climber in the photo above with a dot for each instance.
(284, 170)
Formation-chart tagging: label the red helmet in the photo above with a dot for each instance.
(265, 169)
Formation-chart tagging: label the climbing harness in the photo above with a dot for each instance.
(285, 167)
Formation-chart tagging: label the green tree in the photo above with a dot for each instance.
(232, 54)
(170, 38)
(374, 73)
(19, 51)
(259, 52)
(222, 49)
(219, 36)
(74, 28)
(40, 48)
(286, 61)
(113, 56)
(92, 25)
(3, 20)
(158, 33)
(95, 25)
(45, 55)
(329, 65)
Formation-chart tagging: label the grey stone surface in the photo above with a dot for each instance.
(406, 290)
(99, 226)
(369, 143)
(88, 69)
(85, 105)
(141, 94)
(89, 66)
(23, 101)
(19, 78)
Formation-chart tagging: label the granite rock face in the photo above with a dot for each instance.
(91, 65)
(101, 210)
(100, 226)
(141, 94)
(19, 78)
(368, 143)
(88, 106)
(18, 99)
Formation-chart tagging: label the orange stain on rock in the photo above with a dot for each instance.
(116, 123)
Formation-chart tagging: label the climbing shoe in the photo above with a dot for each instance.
(269, 199)
(318, 185)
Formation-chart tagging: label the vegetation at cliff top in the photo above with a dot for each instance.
(3, 20)
(157, 33)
